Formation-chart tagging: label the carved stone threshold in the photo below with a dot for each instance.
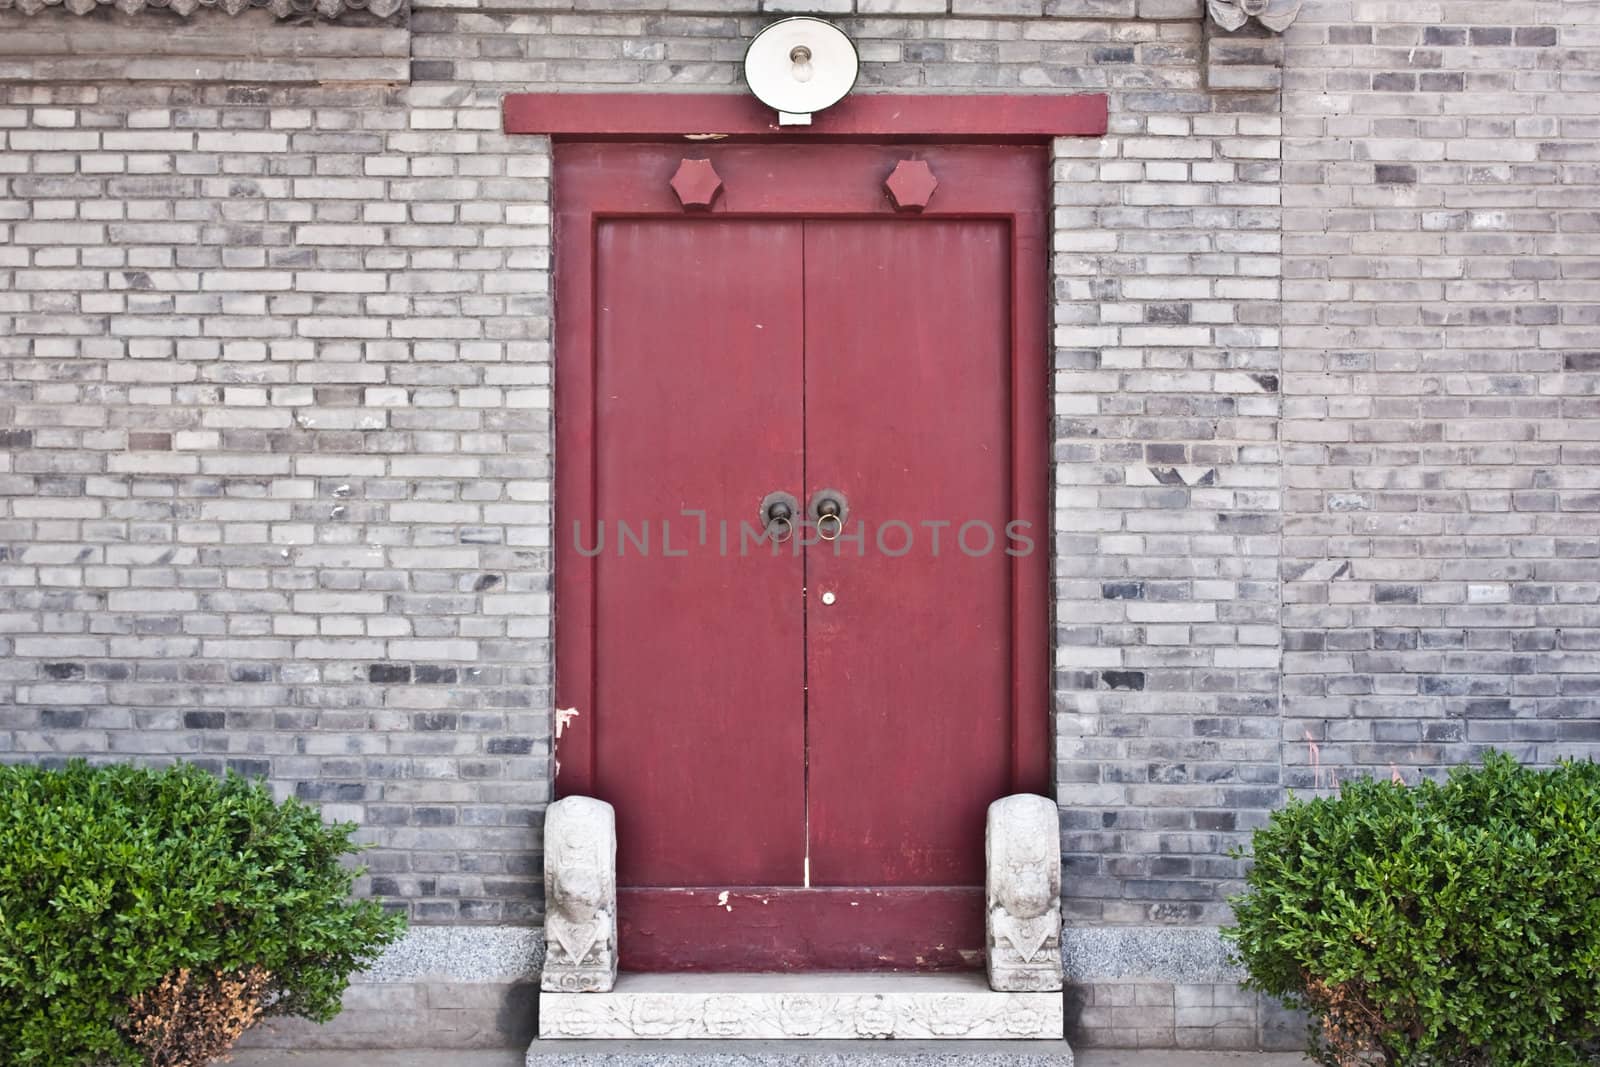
(325, 9)
(803, 1007)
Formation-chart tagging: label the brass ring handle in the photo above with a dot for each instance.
(778, 516)
(829, 511)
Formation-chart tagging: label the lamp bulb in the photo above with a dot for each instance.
(800, 56)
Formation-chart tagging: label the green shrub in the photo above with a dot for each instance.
(117, 883)
(1436, 924)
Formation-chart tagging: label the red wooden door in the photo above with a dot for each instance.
(908, 636)
(801, 742)
(699, 657)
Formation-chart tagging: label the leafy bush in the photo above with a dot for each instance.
(145, 913)
(1453, 924)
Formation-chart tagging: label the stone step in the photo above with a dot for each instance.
(815, 1006)
(799, 1053)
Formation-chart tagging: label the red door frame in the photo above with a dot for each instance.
(988, 118)
(809, 928)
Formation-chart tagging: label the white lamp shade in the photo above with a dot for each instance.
(801, 65)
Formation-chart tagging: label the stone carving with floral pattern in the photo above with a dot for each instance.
(1275, 15)
(778, 1007)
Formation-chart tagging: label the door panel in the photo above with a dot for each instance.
(699, 658)
(908, 401)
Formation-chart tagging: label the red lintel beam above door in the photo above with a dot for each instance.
(1008, 118)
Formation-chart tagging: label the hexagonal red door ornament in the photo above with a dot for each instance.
(911, 185)
(696, 184)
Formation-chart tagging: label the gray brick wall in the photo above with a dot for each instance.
(276, 381)
(336, 294)
(1442, 364)
(1167, 492)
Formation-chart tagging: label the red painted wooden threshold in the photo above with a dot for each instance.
(786, 929)
(980, 117)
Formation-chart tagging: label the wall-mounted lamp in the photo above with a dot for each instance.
(799, 66)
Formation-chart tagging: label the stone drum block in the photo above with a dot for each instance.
(580, 892)
(1023, 894)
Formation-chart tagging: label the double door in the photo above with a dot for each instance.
(800, 620)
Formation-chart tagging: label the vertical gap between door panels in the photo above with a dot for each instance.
(805, 574)
(1016, 395)
(592, 235)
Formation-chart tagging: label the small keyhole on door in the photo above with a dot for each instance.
(828, 598)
